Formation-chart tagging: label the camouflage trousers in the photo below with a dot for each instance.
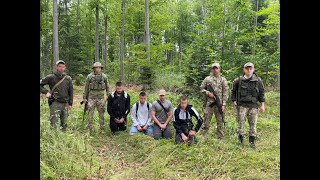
(60, 110)
(208, 112)
(92, 104)
(252, 115)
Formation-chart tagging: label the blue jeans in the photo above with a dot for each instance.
(149, 131)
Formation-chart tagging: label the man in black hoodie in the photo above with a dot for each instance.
(182, 122)
(118, 108)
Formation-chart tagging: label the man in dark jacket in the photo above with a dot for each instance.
(118, 108)
(60, 96)
(182, 122)
(247, 91)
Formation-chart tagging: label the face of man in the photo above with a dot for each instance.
(97, 70)
(61, 68)
(248, 71)
(142, 99)
(162, 97)
(215, 71)
(119, 89)
(183, 103)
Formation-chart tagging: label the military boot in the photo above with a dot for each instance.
(240, 140)
(251, 141)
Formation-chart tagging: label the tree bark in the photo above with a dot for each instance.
(122, 42)
(97, 32)
(67, 27)
(55, 34)
(147, 30)
(105, 54)
(223, 31)
(255, 28)
(78, 15)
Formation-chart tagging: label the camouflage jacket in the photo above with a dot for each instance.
(64, 92)
(220, 86)
(95, 86)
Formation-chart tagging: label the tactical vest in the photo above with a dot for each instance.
(97, 82)
(248, 90)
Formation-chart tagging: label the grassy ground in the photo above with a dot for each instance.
(77, 155)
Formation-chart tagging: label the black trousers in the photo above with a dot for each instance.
(117, 126)
(179, 140)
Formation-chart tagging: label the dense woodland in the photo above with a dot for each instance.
(161, 42)
(167, 44)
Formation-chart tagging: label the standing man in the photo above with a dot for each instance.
(247, 90)
(141, 116)
(182, 122)
(97, 83)
(219, 84)
(118, 108)
(60, 96)
(161, 114)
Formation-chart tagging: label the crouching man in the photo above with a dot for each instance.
(141, 116)
(182, 122)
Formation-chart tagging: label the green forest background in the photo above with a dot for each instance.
(186, 37)
(175, 53)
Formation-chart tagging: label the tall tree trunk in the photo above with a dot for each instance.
(78, 16)
(204, 10)
(55, 34)
(90, 40)
(122, 42)
(223, 31)
(67, 28)
(105, 54)
(235, 41)
(97, 31)
(147, 30)
(255, 28)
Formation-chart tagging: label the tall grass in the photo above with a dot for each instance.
(76, 155)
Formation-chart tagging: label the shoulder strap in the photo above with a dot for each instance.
(137, 106)
(54, 87)
(222, 86)
(162, 106)
(257, 82)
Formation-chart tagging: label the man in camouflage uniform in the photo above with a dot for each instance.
(62, 95)
(220, 86)
(247, 90)
(97, 82)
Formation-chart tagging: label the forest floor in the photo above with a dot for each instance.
(76, 154)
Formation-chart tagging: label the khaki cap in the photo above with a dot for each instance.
(162, 92)
(248, 64)
(215, 65)
(97, 64)
(60, 62)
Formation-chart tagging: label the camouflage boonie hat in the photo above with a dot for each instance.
(215, 65)
(97, 64)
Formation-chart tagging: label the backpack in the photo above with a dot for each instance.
(137, 107)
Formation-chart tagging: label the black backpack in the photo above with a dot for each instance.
(137, 107)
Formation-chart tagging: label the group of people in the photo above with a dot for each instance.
(247, 91)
